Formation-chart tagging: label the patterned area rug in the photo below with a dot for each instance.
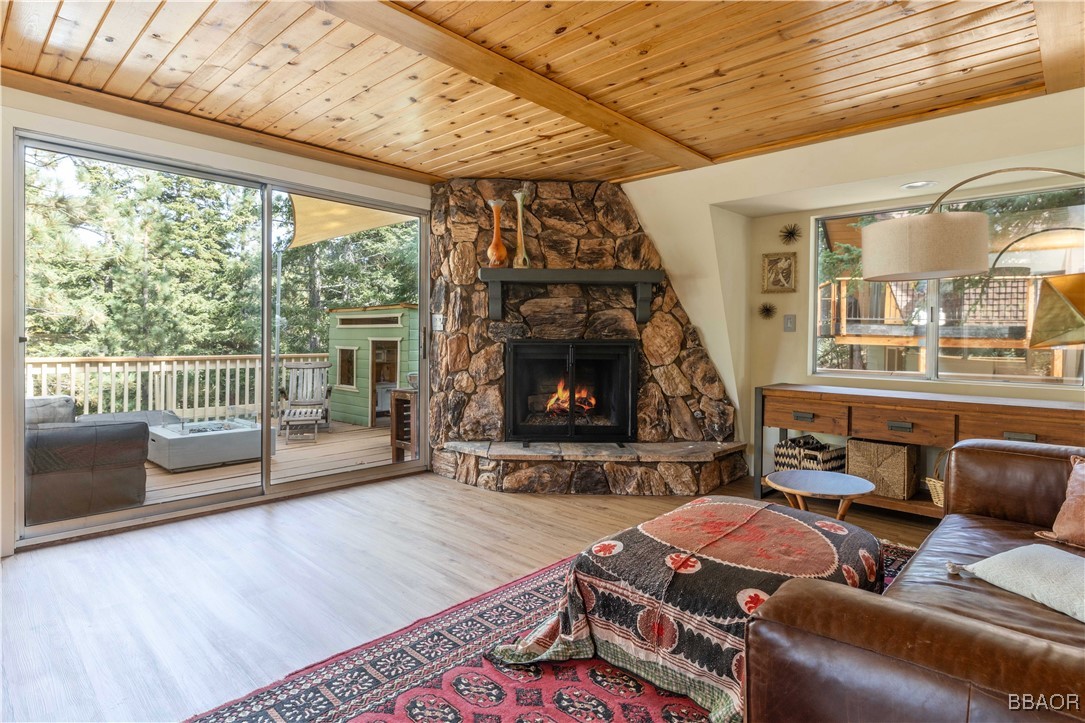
(434, 671)
(894, 558)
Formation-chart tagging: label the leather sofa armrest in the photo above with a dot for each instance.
(817, 650)
(1016, 481)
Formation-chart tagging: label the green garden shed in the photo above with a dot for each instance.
(373, 350)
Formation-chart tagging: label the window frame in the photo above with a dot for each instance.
(934, 306)
(339, 368)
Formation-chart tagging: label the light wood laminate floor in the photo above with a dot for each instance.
(160, 623)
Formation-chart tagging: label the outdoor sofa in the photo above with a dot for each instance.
(86, 466)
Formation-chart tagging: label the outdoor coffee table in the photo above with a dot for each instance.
(184, 446)
(798, 484)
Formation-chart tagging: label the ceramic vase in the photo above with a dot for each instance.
(496, 253)
(519, 261)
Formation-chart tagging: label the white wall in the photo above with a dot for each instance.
(711, 226)
(731, 231)
(28, 112)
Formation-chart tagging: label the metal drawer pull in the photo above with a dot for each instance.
(899, 426)
(1019, 436)
(802, 416)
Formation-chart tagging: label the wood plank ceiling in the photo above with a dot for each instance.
(558, 89)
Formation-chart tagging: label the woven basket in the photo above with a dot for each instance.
(935, 485)
(891, 467)
(807, 452)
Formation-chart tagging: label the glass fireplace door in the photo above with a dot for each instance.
(560, 390)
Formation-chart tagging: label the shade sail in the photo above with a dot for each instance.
(317, 219)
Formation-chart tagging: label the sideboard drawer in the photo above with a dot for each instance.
(912, 426)
(806, 416)
(1068, 429)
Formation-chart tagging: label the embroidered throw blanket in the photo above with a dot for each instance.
(668, 599)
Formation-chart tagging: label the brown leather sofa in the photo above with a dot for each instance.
(934, 647)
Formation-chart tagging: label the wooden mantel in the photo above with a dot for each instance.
(641, 280)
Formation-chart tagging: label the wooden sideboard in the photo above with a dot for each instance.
(935, 420)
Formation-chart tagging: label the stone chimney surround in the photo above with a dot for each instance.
(685, 420)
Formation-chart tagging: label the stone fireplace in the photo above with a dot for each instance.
(678, 414)
(576, 391)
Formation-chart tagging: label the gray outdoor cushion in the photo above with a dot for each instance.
(151, 419)
(42, 410)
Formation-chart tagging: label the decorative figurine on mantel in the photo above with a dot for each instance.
(496, 253)
(520, 261)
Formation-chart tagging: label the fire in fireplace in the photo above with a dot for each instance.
(559, 402)
(570, 390)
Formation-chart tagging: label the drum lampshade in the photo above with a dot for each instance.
(928, 246)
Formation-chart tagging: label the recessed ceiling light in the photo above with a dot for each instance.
(917, 184)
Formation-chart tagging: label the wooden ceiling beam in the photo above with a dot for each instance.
(1061, 27)
(417, 33)
(175, 119)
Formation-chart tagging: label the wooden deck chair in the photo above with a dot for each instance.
(307, 388)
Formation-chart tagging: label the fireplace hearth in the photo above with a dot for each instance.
(582, 391)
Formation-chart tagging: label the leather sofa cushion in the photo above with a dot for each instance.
(967, 539)
(1019, 481)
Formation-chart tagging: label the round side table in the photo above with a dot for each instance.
(798, 484)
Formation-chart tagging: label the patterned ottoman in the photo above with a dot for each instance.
(668, 599)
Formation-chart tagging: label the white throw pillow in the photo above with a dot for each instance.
(1046, 574)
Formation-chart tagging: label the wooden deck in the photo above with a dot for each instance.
(342, 448)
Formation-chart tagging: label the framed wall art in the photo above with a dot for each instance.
(778, 272)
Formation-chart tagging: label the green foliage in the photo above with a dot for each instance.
(125, 261)
(831, 355)
(1014, 216)
(843, 261)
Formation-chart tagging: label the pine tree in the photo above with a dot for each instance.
(127, 261)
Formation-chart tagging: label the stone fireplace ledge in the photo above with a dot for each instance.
(599, 451)
(638, 468)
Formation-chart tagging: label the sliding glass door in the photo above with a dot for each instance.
(148, 291)
(141, 367)
(345, 336)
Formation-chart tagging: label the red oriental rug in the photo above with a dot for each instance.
(894, 558)
(434, 671)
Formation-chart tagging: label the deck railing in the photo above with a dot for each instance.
(847, 308)
(195, 387)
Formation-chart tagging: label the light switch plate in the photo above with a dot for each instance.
(790, 323)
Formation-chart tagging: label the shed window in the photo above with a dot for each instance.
(393, 320)
(346, 367)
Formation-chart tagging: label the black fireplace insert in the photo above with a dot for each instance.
(570, 391)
